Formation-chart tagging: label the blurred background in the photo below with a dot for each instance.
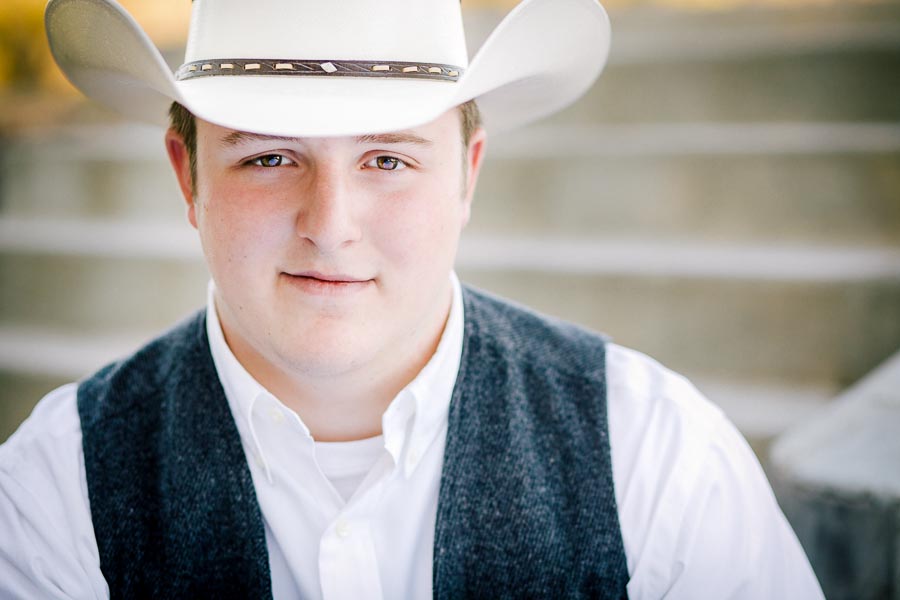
(725, 199)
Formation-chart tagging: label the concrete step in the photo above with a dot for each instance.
(815, 313)
(20, 392)
(35, 360)
(831, 183)
(837, 481)
(99, 275)
(763, 410)
(782, 313)
(813, 84)
(40, 351)
(115, 170)
(830, 62)
(775, 181)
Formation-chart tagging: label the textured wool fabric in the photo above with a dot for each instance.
(175, 513)
(172, 502)
(539, 518)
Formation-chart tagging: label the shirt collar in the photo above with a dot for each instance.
(411, 422)
(425, 401)
(242, 391)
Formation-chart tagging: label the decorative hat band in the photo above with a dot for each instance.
(345, 68)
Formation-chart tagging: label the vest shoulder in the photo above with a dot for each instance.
(142, 375)
(528, 335)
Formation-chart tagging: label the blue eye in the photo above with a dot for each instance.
(387, 163)
(270, 160)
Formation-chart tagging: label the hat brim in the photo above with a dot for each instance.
(542, 56)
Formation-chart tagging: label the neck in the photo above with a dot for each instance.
(349, 405)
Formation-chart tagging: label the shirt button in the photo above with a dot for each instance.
(342, 529)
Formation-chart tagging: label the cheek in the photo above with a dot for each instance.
(419, 230)
(235, 226)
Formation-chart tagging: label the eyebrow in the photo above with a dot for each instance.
(239, 137)
(400, 137)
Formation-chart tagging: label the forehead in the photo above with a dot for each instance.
(444, 130)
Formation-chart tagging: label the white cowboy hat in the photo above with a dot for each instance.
(333, 67)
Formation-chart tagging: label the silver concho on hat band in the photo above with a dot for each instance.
(333, 68)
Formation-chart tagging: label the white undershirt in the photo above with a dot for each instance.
(356, 520)
(346, 464)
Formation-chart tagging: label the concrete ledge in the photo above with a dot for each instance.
(763, 410)
(36, 359)
(176, 241)
(838, 480)
(680, 258)
(645, 33)
(644, 140)
(135, 143)
(50, 354)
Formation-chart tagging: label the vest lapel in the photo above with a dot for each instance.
(172, 500)
(526, 507)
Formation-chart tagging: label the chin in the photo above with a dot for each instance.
(325, 353)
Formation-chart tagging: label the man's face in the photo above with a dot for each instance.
(330, 254)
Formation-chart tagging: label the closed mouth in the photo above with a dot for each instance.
(329, 277)
(327, 285)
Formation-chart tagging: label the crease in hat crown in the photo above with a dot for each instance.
(374, 66)
(402, 31)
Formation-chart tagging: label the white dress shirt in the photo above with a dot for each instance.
(352, 520)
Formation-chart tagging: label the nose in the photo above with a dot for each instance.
(327, 215)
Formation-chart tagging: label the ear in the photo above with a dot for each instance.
(474, 158)
(181, 164)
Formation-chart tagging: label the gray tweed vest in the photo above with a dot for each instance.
(526, 506)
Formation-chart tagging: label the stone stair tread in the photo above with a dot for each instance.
(685, 139)
(681, 258)
(135, 142)
(101, 238)
(852, 447)
(164, 240)
(42, 351)
(744, 40)
(654, 33)
(760, 409)
(108, 142)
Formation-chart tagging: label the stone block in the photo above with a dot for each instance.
(837, 477)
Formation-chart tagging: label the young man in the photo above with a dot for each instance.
(345, 420)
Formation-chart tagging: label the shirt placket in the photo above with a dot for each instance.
(348, 561)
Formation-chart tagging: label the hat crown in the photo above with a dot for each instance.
(404, 30)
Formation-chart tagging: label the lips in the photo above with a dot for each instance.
(332, 285)
(329, 278)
